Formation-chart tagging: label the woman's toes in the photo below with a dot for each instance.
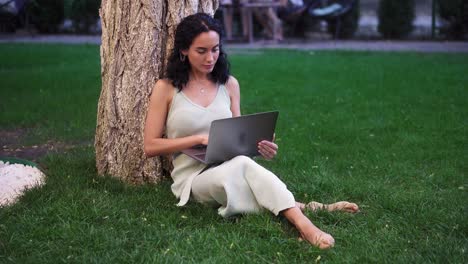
(321, 240)
(351, 208)
(325, 241)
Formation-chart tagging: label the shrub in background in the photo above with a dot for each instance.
(84, 14)
(349, 23)
(45, 15)
(455, 13)
(395, 18)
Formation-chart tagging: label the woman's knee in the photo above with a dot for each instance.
(244, 159)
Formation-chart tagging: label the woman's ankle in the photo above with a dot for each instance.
(293, 214)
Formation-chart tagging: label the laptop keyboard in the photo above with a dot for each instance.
(201, 156)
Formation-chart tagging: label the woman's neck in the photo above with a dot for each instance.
(199, 77)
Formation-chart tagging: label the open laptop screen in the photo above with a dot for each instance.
(236, 136)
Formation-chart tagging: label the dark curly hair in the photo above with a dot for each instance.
(188, 29)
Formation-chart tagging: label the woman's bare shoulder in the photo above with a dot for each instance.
(232, 85)
(164, 84)
(163, 89)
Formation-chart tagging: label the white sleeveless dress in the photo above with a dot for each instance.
(237, 186)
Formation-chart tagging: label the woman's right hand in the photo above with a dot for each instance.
(203, 139)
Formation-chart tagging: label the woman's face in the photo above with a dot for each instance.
(204, 52)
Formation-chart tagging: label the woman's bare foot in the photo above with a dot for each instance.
(315, 236)
(343, 206)
(338, 206)
(308, 230)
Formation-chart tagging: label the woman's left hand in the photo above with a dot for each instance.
(267, 149)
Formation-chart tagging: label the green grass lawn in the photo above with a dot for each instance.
(385, 130)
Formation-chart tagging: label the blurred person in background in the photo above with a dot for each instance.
(265, 15)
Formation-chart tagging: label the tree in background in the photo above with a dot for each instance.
(45, 15)
(137, 36)
(84, 14)
(395, 18)
(455, 13)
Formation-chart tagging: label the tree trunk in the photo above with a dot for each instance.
(137, 36)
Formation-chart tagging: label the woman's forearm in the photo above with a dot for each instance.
(163, 146)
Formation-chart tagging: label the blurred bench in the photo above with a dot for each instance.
(332, 11)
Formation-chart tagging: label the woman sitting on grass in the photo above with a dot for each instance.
(197, 90)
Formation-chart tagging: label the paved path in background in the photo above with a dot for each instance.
(419, 46)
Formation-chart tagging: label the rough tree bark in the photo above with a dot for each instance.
(136, 40)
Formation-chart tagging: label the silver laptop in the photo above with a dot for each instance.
(235, 136)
